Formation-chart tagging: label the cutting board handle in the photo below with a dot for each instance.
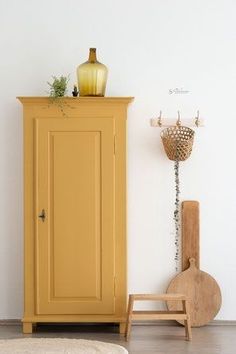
(192, 262)
(190, 233)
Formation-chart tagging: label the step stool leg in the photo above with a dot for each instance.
(188, 329)
(129, 316)
(187, 323)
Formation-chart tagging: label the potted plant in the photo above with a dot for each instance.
(58, 90)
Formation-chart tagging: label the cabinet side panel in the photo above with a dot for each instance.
(29, 198)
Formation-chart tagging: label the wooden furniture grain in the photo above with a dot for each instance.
(74, 210)
(181, 314)
(190, 233)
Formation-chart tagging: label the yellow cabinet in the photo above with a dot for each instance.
(75, 210)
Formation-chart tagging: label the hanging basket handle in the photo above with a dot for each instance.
(178, 122)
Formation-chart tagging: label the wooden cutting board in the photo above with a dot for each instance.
(202, 291)
(190, 233)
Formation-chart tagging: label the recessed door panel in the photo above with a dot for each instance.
(75, 241)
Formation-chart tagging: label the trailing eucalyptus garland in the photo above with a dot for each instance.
(178, 142)
(177, 214)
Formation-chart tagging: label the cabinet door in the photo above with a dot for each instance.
(74, 185)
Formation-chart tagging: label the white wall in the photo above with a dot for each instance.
(150, 47)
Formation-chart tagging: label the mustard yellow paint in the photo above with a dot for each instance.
(74, 169)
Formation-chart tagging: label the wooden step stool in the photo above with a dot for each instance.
(158, 315)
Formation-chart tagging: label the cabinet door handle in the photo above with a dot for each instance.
(42, 215)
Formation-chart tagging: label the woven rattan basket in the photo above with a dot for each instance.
(178, 142)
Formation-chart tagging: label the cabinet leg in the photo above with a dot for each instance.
(122, 327)
(27, 327)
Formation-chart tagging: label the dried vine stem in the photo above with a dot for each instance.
(177, 214)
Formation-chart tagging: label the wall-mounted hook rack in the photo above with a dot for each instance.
(161, 122)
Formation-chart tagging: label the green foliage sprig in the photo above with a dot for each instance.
(58, 88)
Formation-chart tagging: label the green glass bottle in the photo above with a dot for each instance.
(92, 76)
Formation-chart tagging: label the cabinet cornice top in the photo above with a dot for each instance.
(79, 100)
